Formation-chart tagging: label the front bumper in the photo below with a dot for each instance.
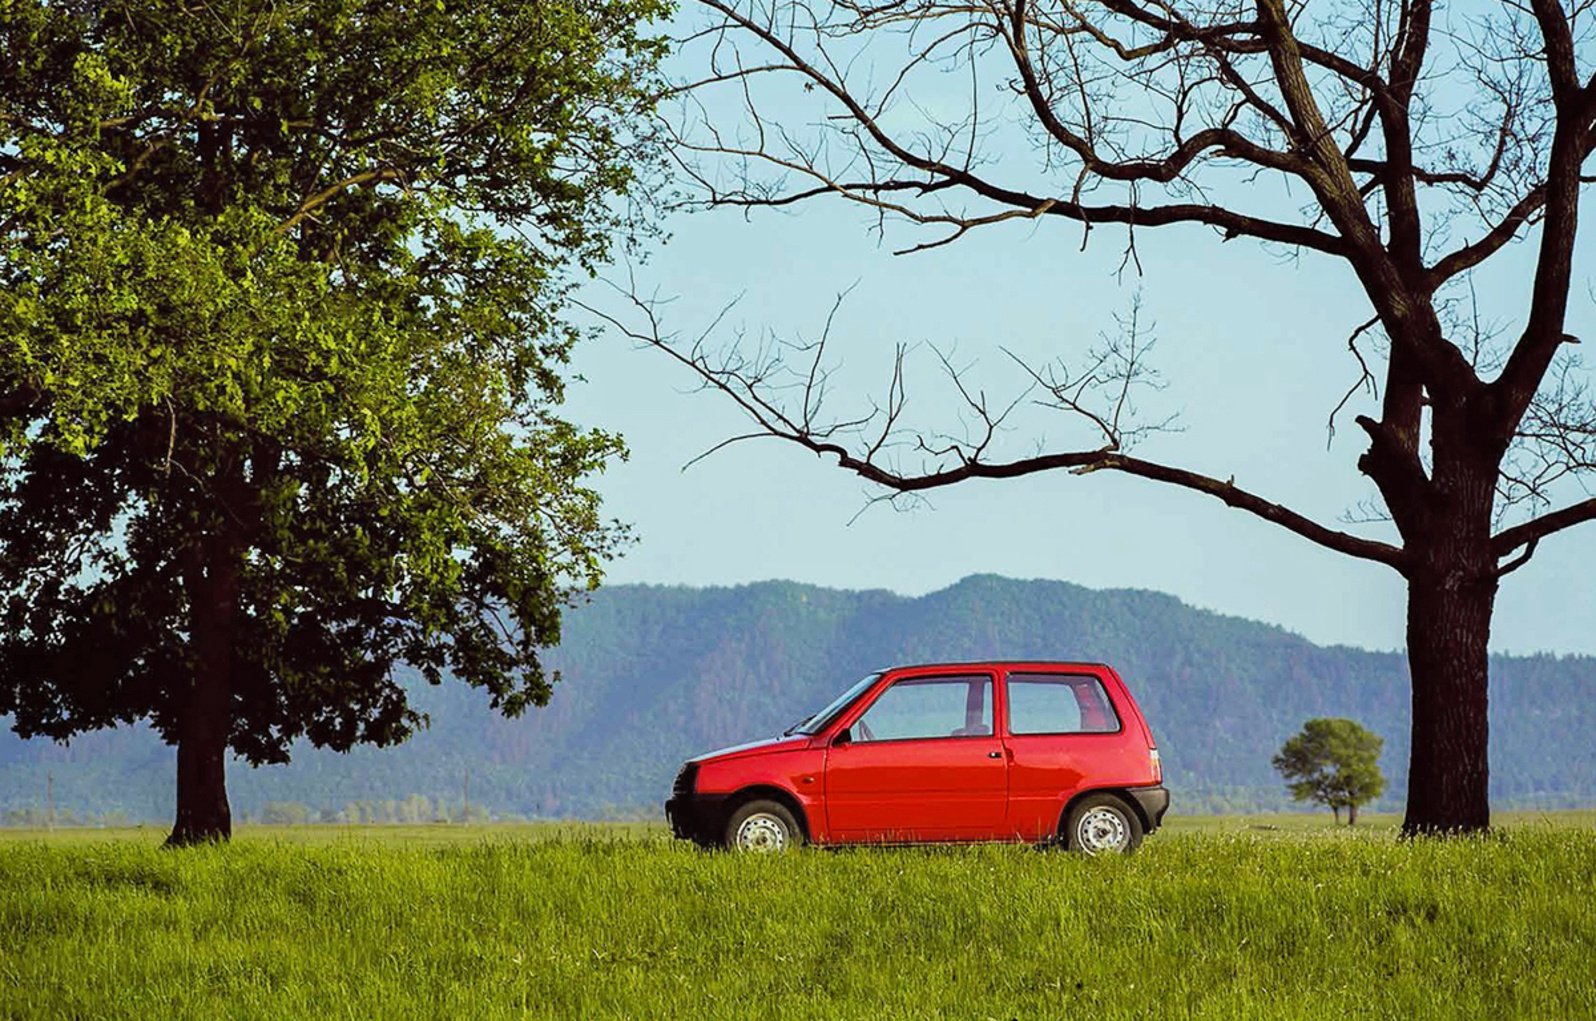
(1153, 802)
(698, 817)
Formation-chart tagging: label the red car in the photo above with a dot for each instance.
(1033, 752)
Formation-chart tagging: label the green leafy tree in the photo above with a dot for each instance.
(1334, 762)
(281, 342)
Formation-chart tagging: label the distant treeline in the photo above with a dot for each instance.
(652, 675)
(412, 810)
(43, 818)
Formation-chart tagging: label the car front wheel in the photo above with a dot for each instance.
(763, 826)
(1102, 824)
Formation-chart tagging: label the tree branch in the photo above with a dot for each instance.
(1518, 561)
(1508, 540)
(313, 202)
(1233, 223)
(1026, 204)
(1463, 259)
(750, 389)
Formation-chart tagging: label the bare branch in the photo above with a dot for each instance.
(756, 388)
(942, 173)
(1520, 560)
(1524, 212)
(1365, 379)
(1510, 539)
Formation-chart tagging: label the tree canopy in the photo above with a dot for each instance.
(1334, 762)
(281, 356)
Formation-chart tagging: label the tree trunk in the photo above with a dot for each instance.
(1451, 595)
(203, 814)
(1337, 810)
(1352, 815)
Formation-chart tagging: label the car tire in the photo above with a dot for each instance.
(763, 826)
(1102, 824)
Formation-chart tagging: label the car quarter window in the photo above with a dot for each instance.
(919, 707)
(1059, 704)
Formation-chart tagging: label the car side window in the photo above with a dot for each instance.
(1059, 704)
(921, 707)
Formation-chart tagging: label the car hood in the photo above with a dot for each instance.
(769, 744)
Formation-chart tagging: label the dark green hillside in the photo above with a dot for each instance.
(654, 674)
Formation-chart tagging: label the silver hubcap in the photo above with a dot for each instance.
(1102, 829)
(762, 832)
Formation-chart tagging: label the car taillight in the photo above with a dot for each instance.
(1157, 764)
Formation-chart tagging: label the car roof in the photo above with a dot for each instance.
(997, 662)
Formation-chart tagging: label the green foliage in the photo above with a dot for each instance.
(1334, 762)
(281, 344)
(468, 923)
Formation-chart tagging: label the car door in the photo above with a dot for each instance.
(1062, 733)
(921, 763)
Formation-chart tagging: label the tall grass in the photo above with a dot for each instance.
(1200, 925)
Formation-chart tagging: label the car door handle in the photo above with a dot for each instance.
(994, 755)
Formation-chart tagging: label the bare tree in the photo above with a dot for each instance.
(1410, 141)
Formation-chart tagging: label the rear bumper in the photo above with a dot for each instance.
(1153, 802)
(698, 817)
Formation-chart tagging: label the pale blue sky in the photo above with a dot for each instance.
(1253, 347)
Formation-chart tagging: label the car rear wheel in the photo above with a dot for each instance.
(1102, 824)
(764, 827)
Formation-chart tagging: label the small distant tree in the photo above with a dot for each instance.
(1334, 762)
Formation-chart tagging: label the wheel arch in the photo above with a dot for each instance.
(786, 798)
(1122, 793)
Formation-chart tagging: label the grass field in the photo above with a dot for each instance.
(1243, 917)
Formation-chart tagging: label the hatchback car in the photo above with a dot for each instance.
(1037, 752)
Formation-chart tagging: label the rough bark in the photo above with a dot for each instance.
(203, 814)
(1449, 628)
(1451, 596)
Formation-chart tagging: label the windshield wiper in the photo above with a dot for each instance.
(795, 727)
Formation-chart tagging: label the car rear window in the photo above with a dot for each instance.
(1059, 704)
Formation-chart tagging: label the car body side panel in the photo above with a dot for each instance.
(1047, 770)
(916, 790)
(929, 789)
(798, 768)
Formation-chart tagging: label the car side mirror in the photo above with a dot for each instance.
(843, 737)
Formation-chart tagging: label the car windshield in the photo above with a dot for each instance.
(816, 723)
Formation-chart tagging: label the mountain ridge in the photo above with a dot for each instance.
(653, 673)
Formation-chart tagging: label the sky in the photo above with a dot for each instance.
(1252, 346)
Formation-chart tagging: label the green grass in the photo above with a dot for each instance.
(420, 835)
(1212, 919)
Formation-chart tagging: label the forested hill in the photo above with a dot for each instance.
(655, 674)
